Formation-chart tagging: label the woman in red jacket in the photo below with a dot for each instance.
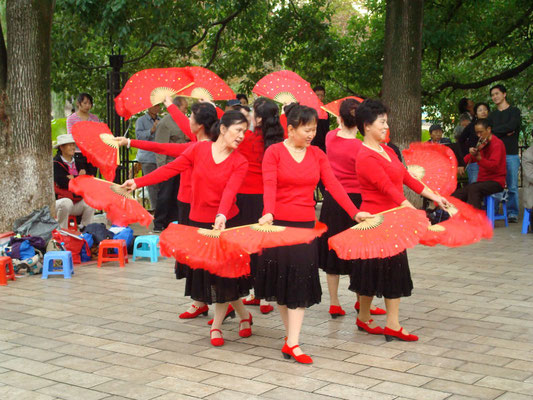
(217, 172)
(382, 176)
(289, 274)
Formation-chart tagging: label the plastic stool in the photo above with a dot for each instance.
(66, 269)
(146, 246)
(72, 222)
(121, 255)
(527, 221)
(491, 203)
(4, 276)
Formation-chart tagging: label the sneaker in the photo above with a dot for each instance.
(512, 219)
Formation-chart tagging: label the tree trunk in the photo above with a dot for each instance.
(402, 63)
(26, 178)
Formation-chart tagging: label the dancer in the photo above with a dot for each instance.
(381, 176)
(289, 274)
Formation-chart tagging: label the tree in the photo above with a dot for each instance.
(25, 146)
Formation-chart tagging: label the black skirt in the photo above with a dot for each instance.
(183, 218)
(382, 277)
(337, 221)
(203, 286)
(288, 275)
(250, 210)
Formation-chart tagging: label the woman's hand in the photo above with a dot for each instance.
(129, 185)
(70, 176)
(441, 202)
(266, 219)
(220, 222)
(121, 141)
(361, 216)
(168, 101)
(82, 172)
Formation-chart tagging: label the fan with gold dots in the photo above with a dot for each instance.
(207, 85)
(334, 107)
(384, 235)
(289, 87)
(120, 206)
(201, 248)
(149, 87)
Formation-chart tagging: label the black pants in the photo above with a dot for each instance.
(474, 193)
(166, 209)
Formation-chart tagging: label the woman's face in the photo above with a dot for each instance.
(378, 129)
(303, 135)
(482, 112)
(233, 135)
(68, 149)
(85, 106)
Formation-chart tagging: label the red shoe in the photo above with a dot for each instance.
(229, 313)
(398, 335)
(288, 352)
(364, 326)
(266, 309)
(252, 302)
(219, 341)
(198, 310)
(336, 311)
(246, 332)
(375, 311)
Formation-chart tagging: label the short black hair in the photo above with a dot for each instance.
(463, 105)
(83, 96)
(500, 87)
(347, 112)
(239, 107)
(435, 127)
(483, 122)
(300, 115)
(205, 114)
(319, 87)
(482, 103)
(242, 96)
(367, 113)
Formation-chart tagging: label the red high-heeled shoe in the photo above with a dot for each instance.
(398, 335)
(336, 311)
(219, 341)
(266, 309)
(375, 311)
(229, 313)
(288, 352)
(197, 311)
(365, 326)
(252, 302)
(246, 332)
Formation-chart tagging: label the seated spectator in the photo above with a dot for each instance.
(231, 103)
(435, 132)
(469, 138)
(243, 99)
(527, 180)
(490, 156)
(66, 167)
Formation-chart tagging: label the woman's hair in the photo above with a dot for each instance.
(347, 112)
(83, 96)
(205, 114)
(367, 112)
(271, 128)
(231, 117)
(463, 105)
(480, 104)
(300, 115)
(240, 107)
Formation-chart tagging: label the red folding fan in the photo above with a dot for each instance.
(254, 238)
(334, 107)
(149, 87)
(207, 85)
(384, 235)
(120, 206)
(434, 164)
(202, 249)
(97, 143)
(289, 87)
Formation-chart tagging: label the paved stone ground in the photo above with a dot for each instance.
(113, 333)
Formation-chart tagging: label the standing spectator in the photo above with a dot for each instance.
(466, 114)
(322, 128)
(243, 99)
(527, 180)
(435, 132)
(469, 139)
(145, 130)
(505, 122)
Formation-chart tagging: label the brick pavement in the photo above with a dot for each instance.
(113, 333)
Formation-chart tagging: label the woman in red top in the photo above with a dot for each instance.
(289, 274)
(382, 176)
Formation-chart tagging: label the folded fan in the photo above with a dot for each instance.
(254, 238)
(384, 235)
(119, 205)
(207, 85)
(334, 107)
(202, 249)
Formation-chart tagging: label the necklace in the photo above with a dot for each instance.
(376, 150)
(286, 143)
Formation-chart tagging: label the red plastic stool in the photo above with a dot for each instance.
(6, 262)
(117, 244)
(72, 222)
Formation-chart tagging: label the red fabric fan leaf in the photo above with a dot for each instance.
(385, 235)
(254, 238)
(334, 107)
(119, 205)
(149, 87)
(202, 249)
(288, 87)
(434, 164)
(475, 217)
(95, 141)
(207, 85)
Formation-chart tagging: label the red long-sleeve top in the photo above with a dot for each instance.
(492, 166)
(283, 122)
(214, 186)
(382, 180)
(253, 148)
(342, 154)
(289, 186)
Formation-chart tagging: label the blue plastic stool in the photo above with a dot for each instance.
(527, 221)
(66, 269)
(492, 202)
(146, 246)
